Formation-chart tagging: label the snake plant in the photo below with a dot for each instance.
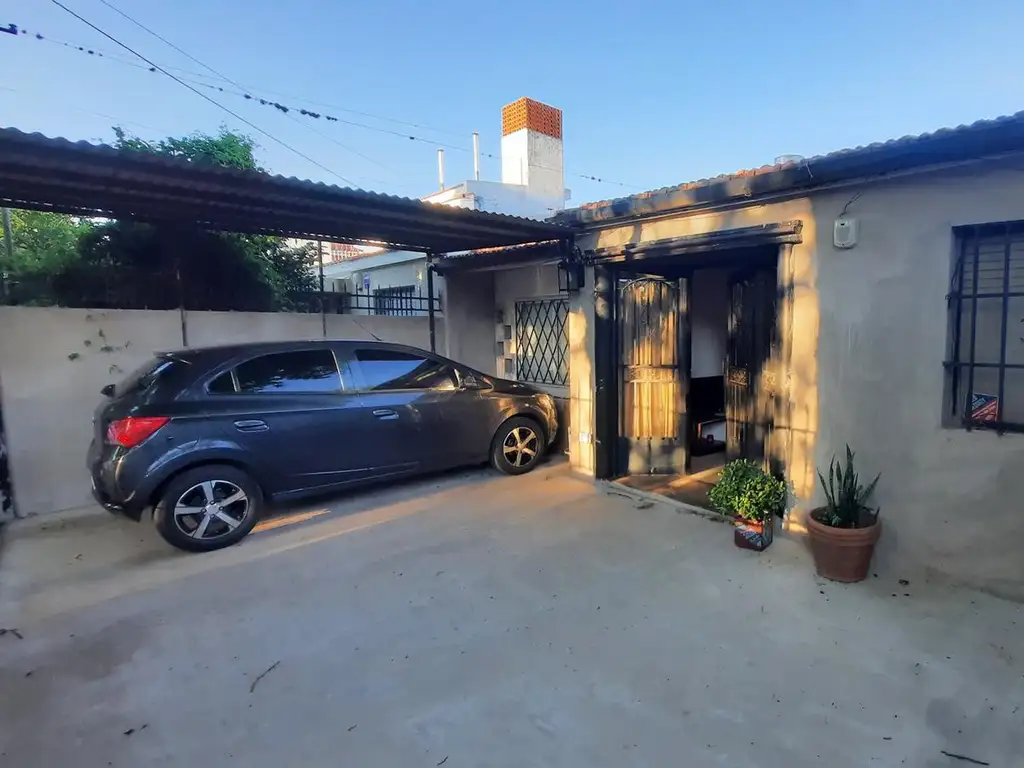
(846, 500)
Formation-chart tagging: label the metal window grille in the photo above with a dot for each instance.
(985, 372)
(542, 341)
(395, 301)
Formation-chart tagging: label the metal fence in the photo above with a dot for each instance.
(124, 288)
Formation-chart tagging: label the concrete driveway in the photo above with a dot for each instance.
(477, 620)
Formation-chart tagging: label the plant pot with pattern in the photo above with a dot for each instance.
(753, 498)
(843, 533)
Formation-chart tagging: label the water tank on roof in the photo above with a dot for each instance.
(787, 159)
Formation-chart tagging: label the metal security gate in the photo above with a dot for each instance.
(751, 382)
(655, 371)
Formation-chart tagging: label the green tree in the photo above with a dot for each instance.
(131, 264)
(232, 150)
(43, 242)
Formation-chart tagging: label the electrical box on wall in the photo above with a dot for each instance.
(845, 233)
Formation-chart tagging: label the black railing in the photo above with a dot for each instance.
(134, 289)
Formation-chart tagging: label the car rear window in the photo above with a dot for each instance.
(146, 375)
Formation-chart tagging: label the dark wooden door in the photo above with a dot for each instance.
(655, 372)
(751, 377)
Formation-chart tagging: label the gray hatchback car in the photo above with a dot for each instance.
(206, 437)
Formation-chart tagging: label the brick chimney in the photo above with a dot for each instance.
(531, 148)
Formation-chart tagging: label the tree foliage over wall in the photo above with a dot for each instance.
(73, 262)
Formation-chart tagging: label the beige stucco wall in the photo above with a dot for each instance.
(470, 313)
(54, 361)
(868, 337)
(535, 281)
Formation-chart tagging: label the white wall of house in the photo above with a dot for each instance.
(54, 361)
(388, 269)
(865, 330)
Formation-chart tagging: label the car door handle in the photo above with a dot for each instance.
(385, 414)
(251, 425)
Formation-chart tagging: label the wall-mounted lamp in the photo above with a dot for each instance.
(571, 272)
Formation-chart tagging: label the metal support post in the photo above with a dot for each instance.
(430, 301)
(320, 262)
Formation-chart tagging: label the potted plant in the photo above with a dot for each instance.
(753, 498)
(844, 532)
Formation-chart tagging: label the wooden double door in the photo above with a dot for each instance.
(655, 333)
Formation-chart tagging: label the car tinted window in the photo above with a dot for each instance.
(389, 369)
(308, 370)
(222, 385)
(146, 375)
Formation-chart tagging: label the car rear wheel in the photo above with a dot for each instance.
(208, 508)
(517, 447)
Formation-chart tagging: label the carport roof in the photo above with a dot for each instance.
(80, 178)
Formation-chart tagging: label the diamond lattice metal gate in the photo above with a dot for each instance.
(542, 341)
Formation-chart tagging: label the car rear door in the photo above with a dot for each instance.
(405, 392)
(292, 412)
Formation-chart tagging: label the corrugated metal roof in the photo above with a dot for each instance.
(981, 139)
(507, 256)
(96, 179)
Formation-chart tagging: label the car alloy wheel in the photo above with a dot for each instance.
(211, 509)
(521, 446)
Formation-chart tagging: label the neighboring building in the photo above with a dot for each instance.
(871, 297)
(532, 185)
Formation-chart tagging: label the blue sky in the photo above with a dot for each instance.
(653, 94)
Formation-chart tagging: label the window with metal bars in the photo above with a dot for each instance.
(395, 301)
(542, 341)
(985, 369)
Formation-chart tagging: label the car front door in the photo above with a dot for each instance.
(404, 392)
(293, 414)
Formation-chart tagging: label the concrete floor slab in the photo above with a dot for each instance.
(477, 620)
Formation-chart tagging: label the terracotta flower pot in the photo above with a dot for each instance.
(842, 554)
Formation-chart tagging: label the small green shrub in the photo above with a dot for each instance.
(846, 500)
(746, 490)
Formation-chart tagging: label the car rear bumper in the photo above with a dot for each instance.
(104, 471)
(126, 508)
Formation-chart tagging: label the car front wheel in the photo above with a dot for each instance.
(208, 508)
(518, 446)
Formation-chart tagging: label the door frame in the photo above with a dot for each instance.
(610, 265)
(680, 286)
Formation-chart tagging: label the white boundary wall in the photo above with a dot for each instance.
(54, 361)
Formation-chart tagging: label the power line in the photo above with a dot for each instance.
(224, 77)
(248, 95)
(76, 108)
(105, 54)
(201, 94)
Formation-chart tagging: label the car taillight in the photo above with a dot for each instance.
(131, 431)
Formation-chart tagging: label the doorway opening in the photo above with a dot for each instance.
(696, 356)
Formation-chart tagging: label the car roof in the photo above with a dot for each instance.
(225, 351)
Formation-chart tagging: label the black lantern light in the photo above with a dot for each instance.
(571, 272)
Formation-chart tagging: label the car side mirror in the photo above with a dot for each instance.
(471, 382)
(108, 390)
